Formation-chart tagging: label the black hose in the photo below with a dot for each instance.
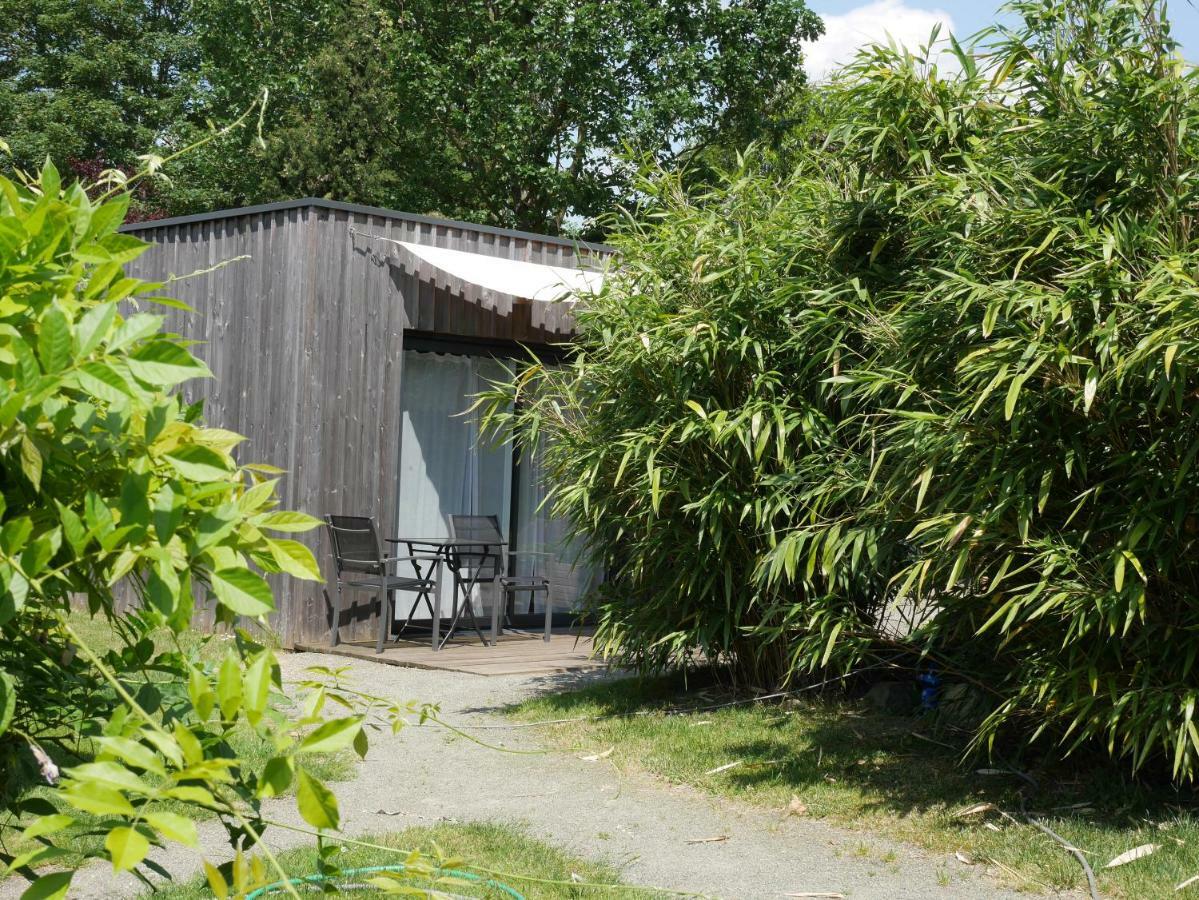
(1030, 782)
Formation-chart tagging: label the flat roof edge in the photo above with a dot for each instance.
(337, 205)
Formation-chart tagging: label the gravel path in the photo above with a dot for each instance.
(640, 826)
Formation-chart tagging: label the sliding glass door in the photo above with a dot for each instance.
(551, 547)
(445, 468)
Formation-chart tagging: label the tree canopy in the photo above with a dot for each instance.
(513, 113)
(93, 85)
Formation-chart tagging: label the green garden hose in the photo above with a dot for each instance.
(370, 870)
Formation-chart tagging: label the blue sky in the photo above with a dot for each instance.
(851, 23)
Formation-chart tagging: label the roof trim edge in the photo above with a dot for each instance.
(337, 205)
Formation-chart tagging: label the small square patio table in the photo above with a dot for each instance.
(438, 552)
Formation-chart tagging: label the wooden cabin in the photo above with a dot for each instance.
(346, 342)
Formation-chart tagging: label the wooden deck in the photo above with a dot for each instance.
(517, 653)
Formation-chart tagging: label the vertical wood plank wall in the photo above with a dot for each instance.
(305, 338)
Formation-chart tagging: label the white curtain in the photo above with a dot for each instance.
(444, 468)
(555, 550)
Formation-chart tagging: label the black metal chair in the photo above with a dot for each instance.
(478, 556)
(361, 565)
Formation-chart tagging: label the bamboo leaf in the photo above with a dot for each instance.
(1133, 855)
(1089, 388)
(923, 481)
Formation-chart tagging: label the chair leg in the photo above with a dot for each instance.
(495, 616)
(383, 603)
(335, 628)
(549, 615)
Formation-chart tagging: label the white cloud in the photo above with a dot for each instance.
(845, 33)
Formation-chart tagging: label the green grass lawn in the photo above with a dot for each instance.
(534, 869)
(890, 775)
(98, 635)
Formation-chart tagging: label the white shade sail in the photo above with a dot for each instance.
(529, 281)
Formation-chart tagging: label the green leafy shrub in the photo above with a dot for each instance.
(675, 431)
(933, 392)
(108, 479)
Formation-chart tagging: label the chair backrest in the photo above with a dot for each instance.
(355, 544)
(484, 560)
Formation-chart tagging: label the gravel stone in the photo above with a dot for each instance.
(637, 824)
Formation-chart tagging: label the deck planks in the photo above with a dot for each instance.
(517, 653)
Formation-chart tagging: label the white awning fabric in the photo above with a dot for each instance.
(525, 280)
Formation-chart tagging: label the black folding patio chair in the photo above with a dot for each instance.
(478, 556)
(361, 565)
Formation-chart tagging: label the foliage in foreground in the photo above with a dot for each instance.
(110, 485)
(930, 398)
(885, 775)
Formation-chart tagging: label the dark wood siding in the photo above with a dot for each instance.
(304, 336)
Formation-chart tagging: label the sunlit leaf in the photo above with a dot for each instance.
(243, 592)
(334, 735)
(316, 802)
(126, 847)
